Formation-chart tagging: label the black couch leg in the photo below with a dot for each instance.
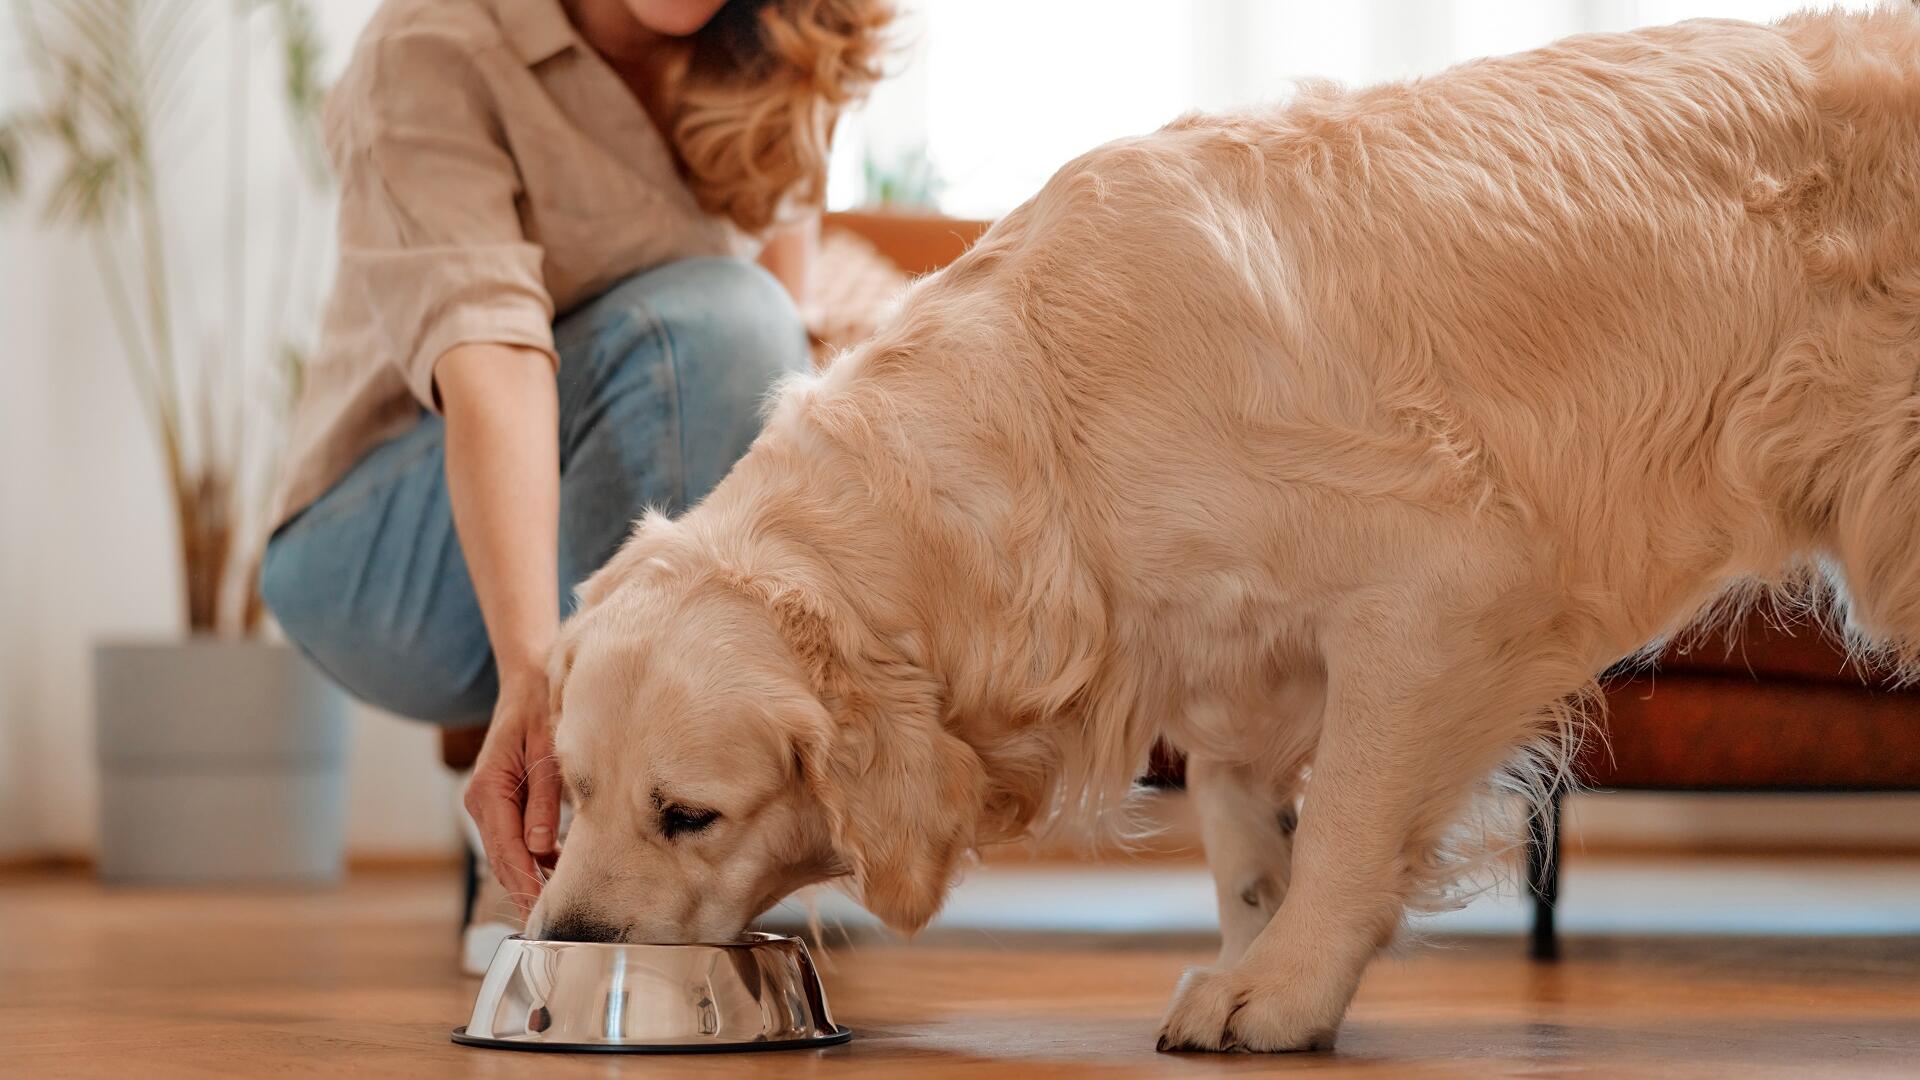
(1543, 877)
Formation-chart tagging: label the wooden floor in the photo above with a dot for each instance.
(360, 982)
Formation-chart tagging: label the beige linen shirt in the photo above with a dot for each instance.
(494, 170)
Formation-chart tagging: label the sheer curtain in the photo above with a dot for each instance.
(997, 94)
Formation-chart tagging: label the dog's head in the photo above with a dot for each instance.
(729, 736)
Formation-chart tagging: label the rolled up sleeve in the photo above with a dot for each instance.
(432, 251)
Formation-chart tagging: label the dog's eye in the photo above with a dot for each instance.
(675, 820)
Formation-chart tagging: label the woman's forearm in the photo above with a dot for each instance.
(503, 476)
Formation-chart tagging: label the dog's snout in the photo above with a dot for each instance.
(579, 926)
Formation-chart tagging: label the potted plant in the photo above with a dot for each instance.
(222, 753)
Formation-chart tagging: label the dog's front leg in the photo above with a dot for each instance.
(1247, 826)
(1412, 725)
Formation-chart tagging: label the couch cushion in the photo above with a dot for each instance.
(1682, 730)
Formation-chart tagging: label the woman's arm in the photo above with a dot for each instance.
(503, 476)
(789, 256)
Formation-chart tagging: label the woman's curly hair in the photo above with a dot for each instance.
(764, 85)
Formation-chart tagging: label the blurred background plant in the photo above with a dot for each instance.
(111, 80)
(902, 181)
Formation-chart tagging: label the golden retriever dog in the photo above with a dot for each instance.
(1339, 444)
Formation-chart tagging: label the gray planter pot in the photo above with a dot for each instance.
(220, 762)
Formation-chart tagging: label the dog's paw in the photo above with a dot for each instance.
(1219, 1009)
(1279, 1021)
(1203, 1005)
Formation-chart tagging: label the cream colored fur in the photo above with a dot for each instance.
(1359, 434)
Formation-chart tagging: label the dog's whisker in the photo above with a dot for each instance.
(526, 776)
(537, 879)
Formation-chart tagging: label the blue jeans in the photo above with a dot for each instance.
(661, 381)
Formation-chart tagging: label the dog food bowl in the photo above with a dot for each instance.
(758, 993)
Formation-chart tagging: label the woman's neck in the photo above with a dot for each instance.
(649, 62)
(610, 29)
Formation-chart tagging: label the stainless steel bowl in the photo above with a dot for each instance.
(758, 993)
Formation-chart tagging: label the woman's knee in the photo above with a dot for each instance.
(706, 312)
(730, 309)
(682, 357)
(446, 682)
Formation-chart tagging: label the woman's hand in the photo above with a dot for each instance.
(514, 794)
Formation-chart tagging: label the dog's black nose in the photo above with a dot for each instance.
(578, 926)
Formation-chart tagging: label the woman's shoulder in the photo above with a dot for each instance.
(428, 23)
(419, 51)
(412, 39)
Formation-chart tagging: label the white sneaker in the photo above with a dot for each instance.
(479, 941)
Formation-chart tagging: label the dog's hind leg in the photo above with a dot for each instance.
(1428, 694)
(1247, 825)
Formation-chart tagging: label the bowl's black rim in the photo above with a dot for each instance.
(840, 1035)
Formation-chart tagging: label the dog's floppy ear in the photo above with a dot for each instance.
(903, 794)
